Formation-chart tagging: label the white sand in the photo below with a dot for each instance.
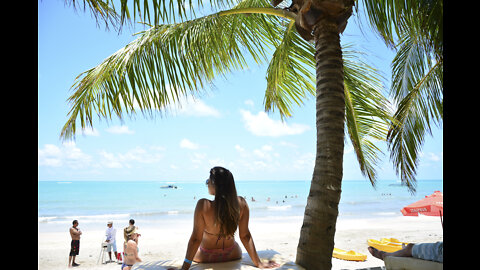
(278, 238)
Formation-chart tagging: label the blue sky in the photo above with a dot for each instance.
(226, 127)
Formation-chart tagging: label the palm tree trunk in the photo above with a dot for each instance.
(317, 234)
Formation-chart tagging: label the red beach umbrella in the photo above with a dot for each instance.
(431, 205)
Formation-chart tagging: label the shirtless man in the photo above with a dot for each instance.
(75, 244)
(130, 250)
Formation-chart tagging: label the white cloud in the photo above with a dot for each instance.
(157, 148)
(260, 164)
(188, 144)
(218, 162)
(110, 160)
(262, 125)
(182, 105)
(68, 155)
(197, 160)
(127, 159)
(305, 161)
(435, 157)
(249, 102)
(90, 132)
(239, 148)
(196, 107)
(263, 152)
(119, 130)
(288, 144)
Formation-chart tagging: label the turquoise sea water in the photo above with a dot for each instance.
(95, 202)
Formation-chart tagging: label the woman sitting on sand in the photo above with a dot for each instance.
(215, 223)
(130, 250)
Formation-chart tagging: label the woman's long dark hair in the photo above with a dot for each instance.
(227, 209)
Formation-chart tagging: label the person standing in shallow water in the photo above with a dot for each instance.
(75, 244)
(215, 223)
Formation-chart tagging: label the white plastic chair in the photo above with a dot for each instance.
(103, 251)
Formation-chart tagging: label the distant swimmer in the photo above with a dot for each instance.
(268, 199)
(253, 199)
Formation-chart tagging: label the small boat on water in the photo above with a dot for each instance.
(398, 184)
(169, 186)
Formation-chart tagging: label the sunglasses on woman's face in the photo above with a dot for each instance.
(206, 182)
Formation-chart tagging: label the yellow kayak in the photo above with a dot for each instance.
(386, 244)
(348, 255)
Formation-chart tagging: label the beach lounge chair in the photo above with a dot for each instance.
(410, 263)
(244, 264)
(103, 251)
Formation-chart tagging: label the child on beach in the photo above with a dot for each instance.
(131, 250)
(215, 223)
(127, 229)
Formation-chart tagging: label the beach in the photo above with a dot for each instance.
(165, 219)
(169, 240)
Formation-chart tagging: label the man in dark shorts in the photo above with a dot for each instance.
(75, 244)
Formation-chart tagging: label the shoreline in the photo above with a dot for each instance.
(167, 240)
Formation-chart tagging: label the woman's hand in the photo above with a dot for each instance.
(269, 264)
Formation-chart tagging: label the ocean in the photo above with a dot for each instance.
(93, 203)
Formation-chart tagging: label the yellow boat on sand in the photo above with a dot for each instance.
(348, 255)
(386, 244)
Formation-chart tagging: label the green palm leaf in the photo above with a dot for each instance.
(391, 19)
(417, 84)
(366, 112)
(415, 30)
(290, 74)
(101, 10)
(168, 62)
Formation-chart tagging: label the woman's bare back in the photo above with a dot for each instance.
(131, 253)
(211, 232)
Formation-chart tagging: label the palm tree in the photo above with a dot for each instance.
(169, 61)
(415, 29)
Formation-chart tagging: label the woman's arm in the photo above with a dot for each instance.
(244, 233)
(247, 239)
(135, 252)
(197, 233)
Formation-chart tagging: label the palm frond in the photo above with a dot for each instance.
(391, 19)
(168, 62)
(415, 29)
(366, 111)
(101, 10)
(156, 12)
(418, 88)
(290, 73)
